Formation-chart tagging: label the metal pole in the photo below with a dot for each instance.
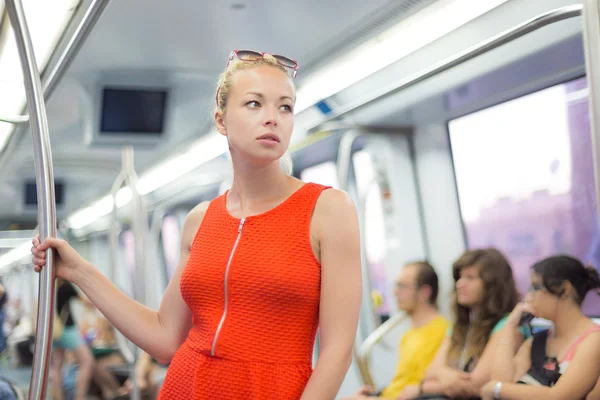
(45, 195)
(139, 226)
(591, 40)
(344, 163)
(84, 29)
(492, 43)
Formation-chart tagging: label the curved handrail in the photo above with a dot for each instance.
(591, 41)
(492, 43)
(344, 161)
(81, 34)
(364, 352)
(44, 177)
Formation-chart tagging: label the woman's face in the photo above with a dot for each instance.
(469, 287)
(259, 118)
(539, 300)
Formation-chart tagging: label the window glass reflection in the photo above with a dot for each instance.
(525, 179)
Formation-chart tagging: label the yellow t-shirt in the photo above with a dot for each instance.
(417, 350)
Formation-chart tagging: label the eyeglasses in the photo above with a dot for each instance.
(403, 286)
(535, 287)
(254, 56)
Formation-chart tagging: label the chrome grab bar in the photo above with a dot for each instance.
(364, 352)
(492, 43)
(44, 177)
(139, 226)
(82, 32)
(344, 163)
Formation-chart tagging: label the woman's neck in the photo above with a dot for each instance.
(254, 186)
(569, 319)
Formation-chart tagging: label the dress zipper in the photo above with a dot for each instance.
(235, 245)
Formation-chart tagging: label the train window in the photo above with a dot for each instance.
(525, 179)
(375, 250)
(324, 174)
(169, 238)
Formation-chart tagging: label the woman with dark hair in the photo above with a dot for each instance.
(562, 362)
(485, 293)
(70, 340)
(3, 301)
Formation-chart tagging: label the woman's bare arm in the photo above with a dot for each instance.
(340, 292)
(159, 333)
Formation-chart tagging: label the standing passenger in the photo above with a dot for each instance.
(262, 266)
(71, 340)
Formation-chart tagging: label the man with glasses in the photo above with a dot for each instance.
(416, 290)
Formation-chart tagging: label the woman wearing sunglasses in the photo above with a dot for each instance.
(262, 266)
(560, 363)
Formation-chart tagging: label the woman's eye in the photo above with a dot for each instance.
(287, 107)
(253, 104)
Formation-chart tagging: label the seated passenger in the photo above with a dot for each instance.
(3, 301)
(100, 335)
(559, 363)
(145, 369)
(485, 295)
(595, 393)
(416, 291)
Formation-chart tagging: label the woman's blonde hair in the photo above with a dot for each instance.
(225, 83)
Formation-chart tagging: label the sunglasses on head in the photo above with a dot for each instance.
(254, 56)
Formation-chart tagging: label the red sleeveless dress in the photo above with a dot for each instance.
(253, 286)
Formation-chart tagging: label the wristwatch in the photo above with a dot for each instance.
(497, 390)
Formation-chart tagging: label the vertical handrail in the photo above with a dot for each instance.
(591, 40)
(343, 165)
(82, 32)
(113, 246)
(44, 177)
(139, 227)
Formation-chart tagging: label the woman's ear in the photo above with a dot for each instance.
(566, 290)
(220, 123)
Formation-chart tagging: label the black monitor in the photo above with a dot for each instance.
(132, 111)
(30, 193)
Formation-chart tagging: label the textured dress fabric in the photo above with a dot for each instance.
(253, 286)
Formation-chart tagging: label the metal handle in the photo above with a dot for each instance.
(591, 40)
(344, 162)
(45, 195)
(492, 43)
(364, 353)
(88, 22)
(139, 222)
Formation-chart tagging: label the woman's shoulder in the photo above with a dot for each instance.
(332, 199)
(192, 222)
(334, 208)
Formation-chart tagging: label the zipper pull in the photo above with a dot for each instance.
(241, 225)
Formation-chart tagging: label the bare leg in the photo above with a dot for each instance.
(84, 358)
(106, 380)
(56, 364)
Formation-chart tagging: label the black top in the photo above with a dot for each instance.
(64, 294)
(3, 296)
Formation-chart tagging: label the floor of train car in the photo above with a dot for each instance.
(22, 375)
